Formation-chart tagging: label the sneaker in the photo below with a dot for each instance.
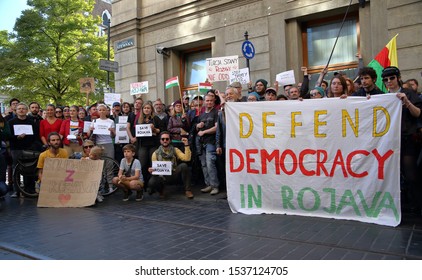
(207, 189)
(100, 198)
(214, 191)
(15, 195)
(127, 195)
(139, 195)
(37, 186)
(189, 194)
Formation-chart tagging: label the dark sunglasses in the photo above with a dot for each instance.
(90, 146)
(59, 111)
(165, 139)
(392, 78)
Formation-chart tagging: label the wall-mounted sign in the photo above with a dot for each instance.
(125, 44)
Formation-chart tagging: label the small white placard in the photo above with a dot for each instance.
(110, 98)
(87, 125)
(143, 130)
(286, 78)
(23, 129)
(241, 76)
(139, 88)
(122, 119)
(101, 129)
(121, 134)
(161, 167)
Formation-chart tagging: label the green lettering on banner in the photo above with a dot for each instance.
(317, 199)
(387, 198)
(369, 211)
(253, 198)
(348, 200)
(287, 196)
(333, 207)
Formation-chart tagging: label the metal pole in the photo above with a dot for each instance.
(108, 51)
(246, 38)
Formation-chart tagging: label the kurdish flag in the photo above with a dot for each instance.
(204, 87)
(386, 57)
(172, 82)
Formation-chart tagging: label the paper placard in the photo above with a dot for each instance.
(87, 126)
(161, 167)
(122, 119)
(23, 129)
(219, 68)
(70, 182)
(143, 130)
(110, 98)
(121, 134)
(101, 128)
(139, 88)
(286, 78)
(241, 76)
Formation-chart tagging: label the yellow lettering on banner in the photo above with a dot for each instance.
(294, 123)
(355, 126)
(265, 124)
(248, 116)
(318, 123)
(375, 118)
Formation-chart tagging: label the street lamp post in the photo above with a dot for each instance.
(108, 50)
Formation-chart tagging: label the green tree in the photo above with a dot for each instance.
(53, 45)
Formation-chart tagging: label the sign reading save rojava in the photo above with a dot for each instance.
(333, 158)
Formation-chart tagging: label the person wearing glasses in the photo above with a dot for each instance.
(179, 159)
(368, 78)
(86, 148)
(409, 149)
(59, 113)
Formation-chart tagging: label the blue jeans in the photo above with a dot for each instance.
(209, 167)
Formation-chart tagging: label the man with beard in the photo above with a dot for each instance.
(368, 77)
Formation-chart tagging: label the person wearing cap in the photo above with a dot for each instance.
(260, 88)
(185, 104)
(270, 94)
(368, 78)
(253, 96)
(317, 92)
(91, 109)
(409, 150)
(116, 110)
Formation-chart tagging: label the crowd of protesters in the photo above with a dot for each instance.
(191, 132)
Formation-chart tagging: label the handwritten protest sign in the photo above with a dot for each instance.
(143, 130)
(87, 125)
(334, 158)
(286, 78)
(139, 88)
(110, 98)
(70, 182)
(121, 134)
(162, 167)
(219, 68)
(241, 76)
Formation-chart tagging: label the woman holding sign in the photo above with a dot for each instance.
(147, 128)
(104, 130)
(71, 132)
(178, 125)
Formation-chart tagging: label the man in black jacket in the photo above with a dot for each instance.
(368, 77)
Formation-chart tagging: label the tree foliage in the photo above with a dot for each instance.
(53, 45)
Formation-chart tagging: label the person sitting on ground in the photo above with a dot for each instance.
(130, 176)
(166, 152)
(96, 153)
(54, 143)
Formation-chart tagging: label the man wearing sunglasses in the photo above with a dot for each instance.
(166, 152)
(368, 78)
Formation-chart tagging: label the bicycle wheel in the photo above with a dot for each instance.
(110, 170)
(25, 178)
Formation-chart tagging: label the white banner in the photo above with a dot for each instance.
(219, 68)
(330, 157)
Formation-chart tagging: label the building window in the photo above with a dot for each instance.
(318, 40)
(193, 64)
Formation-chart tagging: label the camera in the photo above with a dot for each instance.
(162, 50)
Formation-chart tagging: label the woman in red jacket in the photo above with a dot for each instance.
(71, 132)
(50, 124)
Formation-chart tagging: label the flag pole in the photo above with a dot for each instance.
(180, 94)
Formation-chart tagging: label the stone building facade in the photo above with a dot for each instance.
(286, 34)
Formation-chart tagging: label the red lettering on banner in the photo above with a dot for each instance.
(321, 161)
(250, 160)
(265, 156)
(338, 160)
(301, 158)
(349, 163)
(233, 152)
(69, 175)
(294, 162)
(381, 160)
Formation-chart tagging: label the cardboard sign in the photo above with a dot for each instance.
(286, 78)
(328, 157)
(162, 167)
(219, 68)
(241, 76)
(143, 130)
(139, 88)
(86, 85)
(70, 182)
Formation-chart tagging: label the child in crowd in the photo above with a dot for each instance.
(130, 177)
